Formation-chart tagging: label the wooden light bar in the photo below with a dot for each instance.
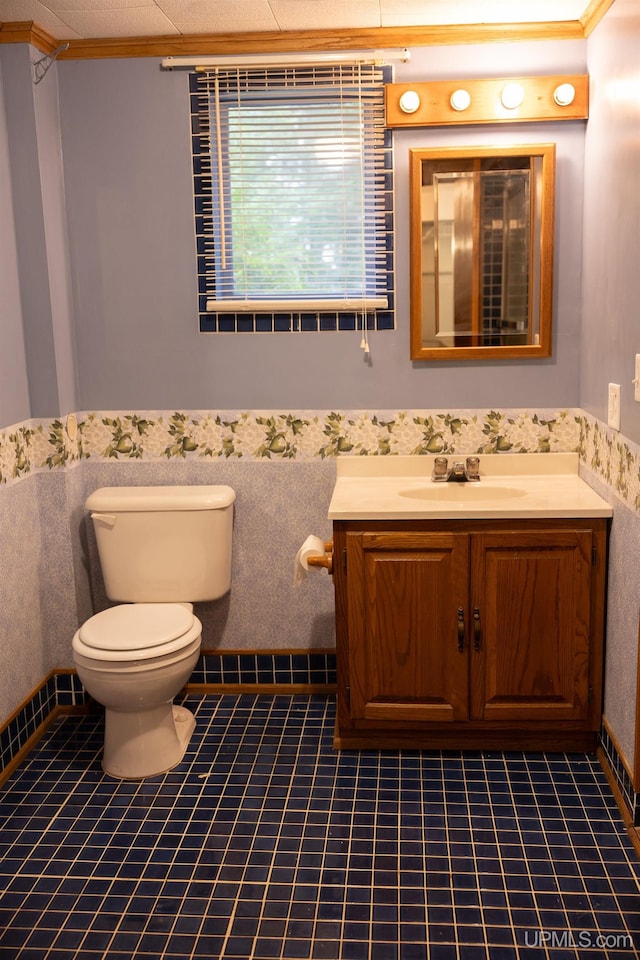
(432, 103)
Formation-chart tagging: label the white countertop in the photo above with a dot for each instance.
(521, 485)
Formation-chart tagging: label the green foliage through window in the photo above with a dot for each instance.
(293, 195)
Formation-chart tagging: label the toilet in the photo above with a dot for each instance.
(161, 549)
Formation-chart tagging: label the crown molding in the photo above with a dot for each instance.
(294, 41)
(289, 41)
(28, 31)
(594, 14)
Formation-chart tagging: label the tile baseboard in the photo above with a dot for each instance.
(59, 692)
(281, 668)
(622, 779)
(217, 671)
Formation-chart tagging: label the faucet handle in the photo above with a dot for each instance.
(473, 468)
(440, 468)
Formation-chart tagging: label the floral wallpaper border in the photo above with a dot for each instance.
(44, 445)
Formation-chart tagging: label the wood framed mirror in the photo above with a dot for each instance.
(481, 251)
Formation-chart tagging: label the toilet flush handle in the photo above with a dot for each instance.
(107, 518)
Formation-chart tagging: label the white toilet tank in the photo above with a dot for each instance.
(164, 544)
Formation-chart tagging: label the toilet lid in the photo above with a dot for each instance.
(136, 626)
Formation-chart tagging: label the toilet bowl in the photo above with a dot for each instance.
(133, 659)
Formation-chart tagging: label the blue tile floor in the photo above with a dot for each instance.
(265, 844)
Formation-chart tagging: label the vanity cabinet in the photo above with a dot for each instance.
(485, 634)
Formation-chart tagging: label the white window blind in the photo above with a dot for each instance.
(293, 194)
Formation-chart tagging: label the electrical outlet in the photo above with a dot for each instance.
(613, 406)
(636, 380)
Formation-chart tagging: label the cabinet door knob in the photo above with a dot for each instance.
(477, 629)
(460, 629)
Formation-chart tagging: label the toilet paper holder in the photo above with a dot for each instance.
(326, 560)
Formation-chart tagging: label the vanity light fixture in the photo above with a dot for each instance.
(429, 103)
(564, 94)
(460, 99)
(409, 101)
(512, 96)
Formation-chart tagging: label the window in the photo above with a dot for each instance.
(293, 198)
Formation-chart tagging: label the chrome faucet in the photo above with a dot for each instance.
(459, 472)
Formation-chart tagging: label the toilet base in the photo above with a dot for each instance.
(146, 744)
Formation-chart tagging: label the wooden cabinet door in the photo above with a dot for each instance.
(408, 646)
(531, 603)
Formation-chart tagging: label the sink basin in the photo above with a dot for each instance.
(461, 492)
(513, 486)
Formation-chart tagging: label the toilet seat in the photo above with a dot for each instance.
(137, 631)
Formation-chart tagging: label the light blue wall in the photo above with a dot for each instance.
(29, 229)
(126, 146)
(611, 293)
(39, 236)
(97, 265)
(14, 387)
(611, 320)
(54, 219)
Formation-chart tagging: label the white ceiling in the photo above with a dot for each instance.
(93, 19)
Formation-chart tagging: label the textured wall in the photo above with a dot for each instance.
(277, 505)
(25, 659)
(124, 133)
(282, 467)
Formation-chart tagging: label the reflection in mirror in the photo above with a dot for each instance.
(481, 225)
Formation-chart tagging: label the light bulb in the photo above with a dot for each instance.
(460, 99)
(512, 96)
(564, 94)
(409, 101)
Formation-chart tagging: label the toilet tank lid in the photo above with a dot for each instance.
(129, 499)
